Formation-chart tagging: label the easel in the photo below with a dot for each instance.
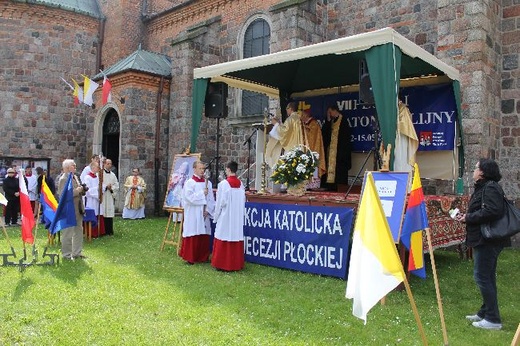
(176, 221)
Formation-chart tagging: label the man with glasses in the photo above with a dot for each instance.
(135, 194)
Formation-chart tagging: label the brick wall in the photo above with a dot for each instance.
(123, 29)
(510, 97)
(40, 45)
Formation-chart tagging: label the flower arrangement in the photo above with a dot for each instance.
(295, 166)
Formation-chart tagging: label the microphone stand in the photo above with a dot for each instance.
(248, 141)
(378, 162)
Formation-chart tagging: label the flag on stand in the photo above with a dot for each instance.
(107, 87)
(65, 214)
(415, 221)
(78, 93)
(375, 268)
(89, 86)
(26, 211)
(48, 203)
(3, 200)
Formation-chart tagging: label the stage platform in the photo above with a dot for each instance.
(445, 231)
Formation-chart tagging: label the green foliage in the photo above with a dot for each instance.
(295, 166)
(129, 293)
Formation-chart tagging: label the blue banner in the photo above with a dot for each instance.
(304, 238)
(433, 108)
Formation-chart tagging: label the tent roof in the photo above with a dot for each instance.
(323, 65)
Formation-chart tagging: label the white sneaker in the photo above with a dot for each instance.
(485, 324)
(474, 318)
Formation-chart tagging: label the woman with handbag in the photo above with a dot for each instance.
(486, 204)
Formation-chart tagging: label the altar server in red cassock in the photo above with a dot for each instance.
(228, 245)
(198, 203)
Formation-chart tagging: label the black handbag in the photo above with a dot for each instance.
(508, 224)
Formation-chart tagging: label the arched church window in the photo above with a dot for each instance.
(256, 42)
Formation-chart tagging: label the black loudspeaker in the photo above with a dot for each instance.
(365, 85)
(215, 102)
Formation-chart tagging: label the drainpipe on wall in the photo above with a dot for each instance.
(157, 162)
(101, 35)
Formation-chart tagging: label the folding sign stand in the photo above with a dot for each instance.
(176, 222)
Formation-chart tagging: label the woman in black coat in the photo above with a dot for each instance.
(486, 204)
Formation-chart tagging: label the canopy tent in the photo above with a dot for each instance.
(390, 57)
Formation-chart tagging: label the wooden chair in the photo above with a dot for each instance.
(176, 223)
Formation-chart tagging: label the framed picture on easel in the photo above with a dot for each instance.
(182, 170)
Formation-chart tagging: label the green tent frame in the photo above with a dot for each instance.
(329, 65)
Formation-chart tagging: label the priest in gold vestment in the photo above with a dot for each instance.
(314, 139)
(284, 135)
(406, 142)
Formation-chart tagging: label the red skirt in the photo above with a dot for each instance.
(195, 249)
(228, 255)
(99, 229)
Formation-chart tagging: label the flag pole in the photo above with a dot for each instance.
(34, 252)
(8, 240)
(437, 290)
(414, 309)
(100, 192)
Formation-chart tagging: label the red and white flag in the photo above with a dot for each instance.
(26, 211)
(107, 87)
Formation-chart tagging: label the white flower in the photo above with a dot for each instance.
(300, 168)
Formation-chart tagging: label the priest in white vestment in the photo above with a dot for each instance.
(110, 188)
(228, 245)
(198, 203)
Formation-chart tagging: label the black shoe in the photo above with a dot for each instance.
(81, 257)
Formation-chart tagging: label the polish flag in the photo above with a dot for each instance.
(107, 87)
(26, 211)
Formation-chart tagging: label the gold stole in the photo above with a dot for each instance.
(333, 150)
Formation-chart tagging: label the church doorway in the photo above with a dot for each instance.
(110, 141)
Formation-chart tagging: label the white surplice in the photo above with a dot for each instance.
(193, 202)
(229, 212)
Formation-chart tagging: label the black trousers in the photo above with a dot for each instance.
(109, 225)
(11, 211)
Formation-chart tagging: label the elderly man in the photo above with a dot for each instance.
(72, 237)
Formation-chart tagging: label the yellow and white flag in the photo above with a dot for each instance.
(89, 86)
(375, 268)
(3, 200)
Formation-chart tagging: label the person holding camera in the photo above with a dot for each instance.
(72, 237)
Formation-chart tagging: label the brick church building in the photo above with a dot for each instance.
(149, 48)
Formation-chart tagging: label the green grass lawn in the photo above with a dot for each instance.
(129, 293)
